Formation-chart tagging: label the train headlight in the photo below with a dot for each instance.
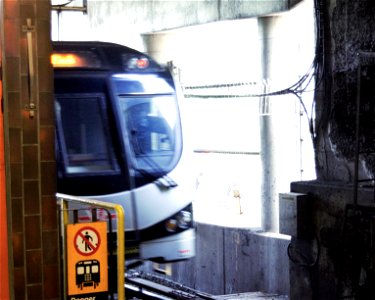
(171, 225)
(181, 220)
(184, 219)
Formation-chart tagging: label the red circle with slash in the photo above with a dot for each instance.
(87, 241)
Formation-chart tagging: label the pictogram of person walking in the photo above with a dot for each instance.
(86, 240)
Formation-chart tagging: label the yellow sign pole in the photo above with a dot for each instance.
(120, 252)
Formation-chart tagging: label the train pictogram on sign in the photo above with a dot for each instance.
(87, 273)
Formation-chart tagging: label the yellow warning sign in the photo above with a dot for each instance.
(87, 265)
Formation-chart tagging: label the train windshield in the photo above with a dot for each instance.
(149, 112)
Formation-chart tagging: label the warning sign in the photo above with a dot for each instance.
(87, 265)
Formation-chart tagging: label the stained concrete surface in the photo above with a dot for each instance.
(235, 260)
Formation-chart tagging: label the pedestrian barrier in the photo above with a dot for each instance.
(84, 247)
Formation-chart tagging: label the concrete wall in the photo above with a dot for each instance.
(149, 16)
(124, 21)
(346, 28)
(343, 232)
(232, 260)
(345, 266)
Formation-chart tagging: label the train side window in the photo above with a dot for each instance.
(83, 133)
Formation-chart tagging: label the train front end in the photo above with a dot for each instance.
(119, 139)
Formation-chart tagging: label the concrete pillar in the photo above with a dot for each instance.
(269, 199)
(162, 46)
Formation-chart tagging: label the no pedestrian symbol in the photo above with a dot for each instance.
(87, 241)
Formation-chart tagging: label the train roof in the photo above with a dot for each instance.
(103, 55)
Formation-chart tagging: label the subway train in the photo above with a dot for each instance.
(119, 139)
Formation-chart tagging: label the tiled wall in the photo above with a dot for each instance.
(30, 152)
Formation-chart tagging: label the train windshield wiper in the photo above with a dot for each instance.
(162, 180)
(157, 172)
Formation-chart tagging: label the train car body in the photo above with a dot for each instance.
(119, 139)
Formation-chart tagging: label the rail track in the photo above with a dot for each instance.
(146, 286)
(139, 285)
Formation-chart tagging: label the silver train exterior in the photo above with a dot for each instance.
(119, 139)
